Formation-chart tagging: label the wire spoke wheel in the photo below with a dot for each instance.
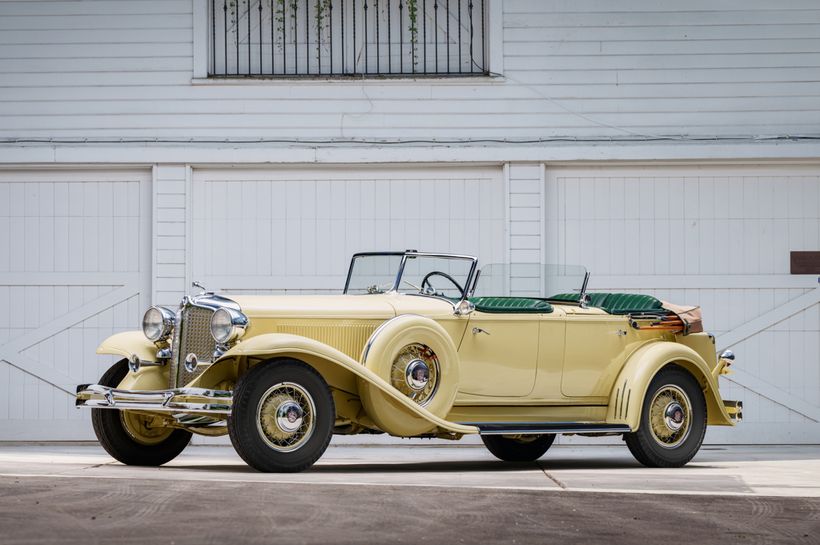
(670, 416)
(415, 373)
(672, 421)
(286, 416)
(282, 416)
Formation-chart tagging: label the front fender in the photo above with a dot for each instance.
(338, 369)
(626, 399)
(127, 344)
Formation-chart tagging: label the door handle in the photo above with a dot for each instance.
(477, 330)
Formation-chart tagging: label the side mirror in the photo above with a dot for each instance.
(464, 307)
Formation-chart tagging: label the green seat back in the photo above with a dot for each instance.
(511, 305)
(629, 303)
(615, 303)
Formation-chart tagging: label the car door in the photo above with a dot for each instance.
(499, 354)
(596, 346)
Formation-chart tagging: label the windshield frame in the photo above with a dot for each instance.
(468, 284)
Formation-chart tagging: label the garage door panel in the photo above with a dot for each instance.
(299, 225)
(74, 268)
(723, 234)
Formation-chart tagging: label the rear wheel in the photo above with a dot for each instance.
(282, 417)
(673, 421)
(132, 438)
(522, 448)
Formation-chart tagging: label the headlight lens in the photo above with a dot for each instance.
(227, 325)
(157, 323)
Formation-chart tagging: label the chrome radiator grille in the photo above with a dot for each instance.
(194, 337)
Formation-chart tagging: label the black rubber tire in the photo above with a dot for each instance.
(118, 442)
(641, 443)
(242, 426)
(516, 450)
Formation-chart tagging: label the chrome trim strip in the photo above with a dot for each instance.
(178, 400)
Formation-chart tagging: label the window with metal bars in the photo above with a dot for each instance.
(347, 38)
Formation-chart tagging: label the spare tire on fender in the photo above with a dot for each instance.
(416, 356)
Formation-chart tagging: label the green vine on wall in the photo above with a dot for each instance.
(413, 14)
(323, 8)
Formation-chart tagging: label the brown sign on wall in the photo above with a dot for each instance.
(805, 262)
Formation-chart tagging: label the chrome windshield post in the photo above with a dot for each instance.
(583, 298)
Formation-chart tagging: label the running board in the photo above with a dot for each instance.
(538, 428)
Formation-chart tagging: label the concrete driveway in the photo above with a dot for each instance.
(415, 492)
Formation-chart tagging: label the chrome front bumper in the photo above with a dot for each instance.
(178, 400)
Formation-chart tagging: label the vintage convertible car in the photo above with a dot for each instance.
(413, 348)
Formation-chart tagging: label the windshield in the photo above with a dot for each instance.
(529, 280)
(412, 272)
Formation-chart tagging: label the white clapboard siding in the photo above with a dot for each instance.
(718, 237)
(74, 268)
(293, 231)
(113, 69)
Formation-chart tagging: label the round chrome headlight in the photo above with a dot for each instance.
(157, 323)
(227, 325)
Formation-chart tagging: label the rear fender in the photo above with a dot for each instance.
(627, 397)
(338, 369)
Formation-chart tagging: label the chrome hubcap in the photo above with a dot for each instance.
(289, 416)
(673, 416)
(417, 375)
(285, 417)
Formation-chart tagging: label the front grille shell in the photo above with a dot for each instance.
(192, 335)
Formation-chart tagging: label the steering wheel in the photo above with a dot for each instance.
(430, 288)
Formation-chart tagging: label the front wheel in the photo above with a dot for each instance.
(282, 418)
(524, 448)
(673, 421)
(135, 439)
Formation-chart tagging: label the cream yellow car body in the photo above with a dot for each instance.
(573, 364)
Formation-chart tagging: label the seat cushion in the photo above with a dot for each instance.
(511, 305)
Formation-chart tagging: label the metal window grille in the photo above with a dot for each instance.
(347, 38)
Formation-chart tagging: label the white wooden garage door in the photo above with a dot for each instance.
(74, 259)
(293, 231)
(718, 237)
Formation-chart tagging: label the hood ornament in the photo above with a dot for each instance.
(197, 284)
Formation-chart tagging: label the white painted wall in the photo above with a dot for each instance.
(587, 68)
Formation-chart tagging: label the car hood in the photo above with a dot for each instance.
(315, 306)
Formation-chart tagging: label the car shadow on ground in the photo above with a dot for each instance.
(448, 466)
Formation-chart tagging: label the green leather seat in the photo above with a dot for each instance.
(615, 303)
(511, 305)
(630, 303)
